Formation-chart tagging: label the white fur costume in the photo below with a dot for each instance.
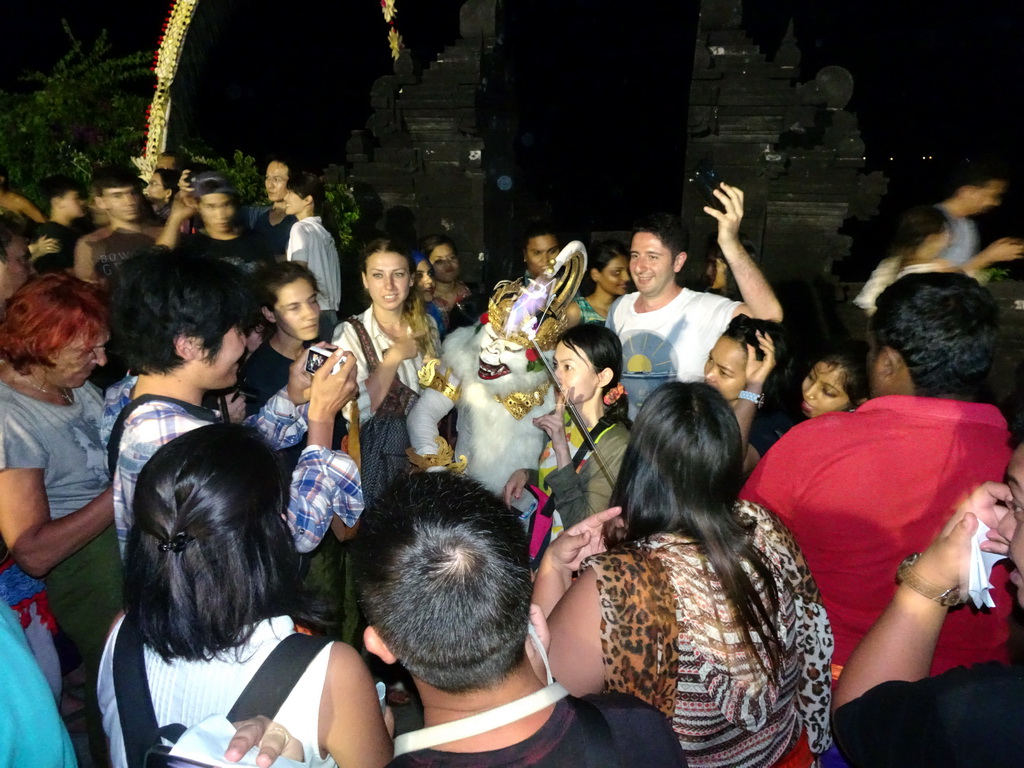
(494, 442)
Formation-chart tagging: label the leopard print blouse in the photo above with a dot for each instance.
(668, 636)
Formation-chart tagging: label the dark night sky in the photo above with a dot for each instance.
(602, 86)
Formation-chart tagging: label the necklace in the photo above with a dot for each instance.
(62, 391)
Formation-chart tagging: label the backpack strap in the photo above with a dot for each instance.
(369, 353)
(276, 677)
(598, 745)
(264, 695)
(139, 728)
(399, 398)
(117, 431)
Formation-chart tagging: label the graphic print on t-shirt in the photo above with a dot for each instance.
(648, 362)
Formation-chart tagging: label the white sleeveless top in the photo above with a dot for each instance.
(188, 692)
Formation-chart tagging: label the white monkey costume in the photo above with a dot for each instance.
(484, 372)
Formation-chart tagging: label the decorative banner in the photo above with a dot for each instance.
(165, 66)
(395, 43)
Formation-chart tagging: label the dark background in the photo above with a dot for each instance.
(601, 87)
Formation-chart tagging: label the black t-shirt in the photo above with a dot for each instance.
(966, 717)
(641, 735)
(65, 257)
(257, 219)
(767, 428)
(247, 251)
(263, 374)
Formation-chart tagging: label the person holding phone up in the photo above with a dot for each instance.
(666, 330)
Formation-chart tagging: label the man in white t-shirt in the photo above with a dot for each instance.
(667, 331)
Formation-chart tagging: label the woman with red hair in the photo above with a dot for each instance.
(56, 506)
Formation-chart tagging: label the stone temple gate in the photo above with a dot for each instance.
(436, 155)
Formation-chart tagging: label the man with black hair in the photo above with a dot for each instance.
(177, 320)
(667, 331)
(976, 188)
(861, 490)
(540, 247)
(64, 197)
(272, 222)
(444, 579)
(116, 193)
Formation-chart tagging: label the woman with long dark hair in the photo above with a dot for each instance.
(922, 234)
(606, 280)
(452, 297)
(838, 380)
(700, 604)
(212, 586)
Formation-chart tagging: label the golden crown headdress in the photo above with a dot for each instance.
(536, 312)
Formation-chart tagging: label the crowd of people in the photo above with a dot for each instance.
(593, 517)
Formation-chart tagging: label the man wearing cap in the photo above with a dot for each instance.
(221, 236)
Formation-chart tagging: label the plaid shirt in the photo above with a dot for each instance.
(325, 482)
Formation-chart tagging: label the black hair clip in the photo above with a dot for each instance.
(177, 543)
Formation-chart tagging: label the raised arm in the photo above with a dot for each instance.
(24, 206)
(183, 207)
(758, 297)
(1002, 250)
(325, 491)
(746, 410)
(900, 645)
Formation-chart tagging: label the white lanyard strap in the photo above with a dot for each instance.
(474, 725)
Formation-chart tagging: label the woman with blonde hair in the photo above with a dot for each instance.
(390, 340)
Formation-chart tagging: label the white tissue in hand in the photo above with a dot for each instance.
(980, 570)
(211, 737)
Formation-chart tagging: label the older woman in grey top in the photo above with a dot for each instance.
(56, 506)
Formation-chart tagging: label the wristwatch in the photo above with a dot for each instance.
(757, 398)
(905, 574)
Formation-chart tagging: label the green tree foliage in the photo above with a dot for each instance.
(90, 110)
(343, 213)
(240, 169)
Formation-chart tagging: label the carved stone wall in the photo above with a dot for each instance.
(438, 149)
(794, 148)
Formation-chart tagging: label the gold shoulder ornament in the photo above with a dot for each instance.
(430, 379)
(518, 404)
(445, 457)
